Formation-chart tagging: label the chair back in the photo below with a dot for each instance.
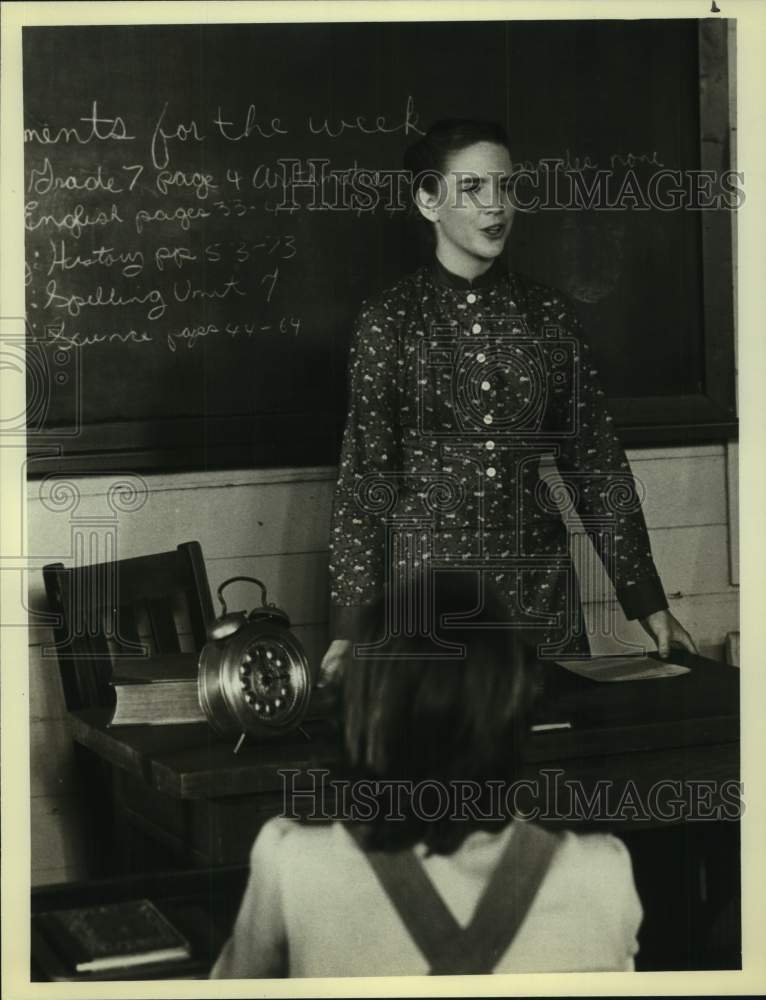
(127, 608)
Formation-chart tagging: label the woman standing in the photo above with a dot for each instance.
(462, 376)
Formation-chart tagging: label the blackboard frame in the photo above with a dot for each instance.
(711, 414)
(309, 439)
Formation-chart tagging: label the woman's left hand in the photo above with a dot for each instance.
(667, 631)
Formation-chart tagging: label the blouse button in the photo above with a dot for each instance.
(470, 297)
(476, 328)
(490, 445)
(487, 418)
(486, 386)
(481, 358)
(491, 472)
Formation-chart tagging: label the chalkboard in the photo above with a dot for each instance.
(196, 252)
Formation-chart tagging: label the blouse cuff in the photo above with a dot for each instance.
(643, 597)
(349, 621)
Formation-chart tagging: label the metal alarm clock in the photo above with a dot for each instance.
(254, 675)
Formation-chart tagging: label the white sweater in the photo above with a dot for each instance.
(314, 907)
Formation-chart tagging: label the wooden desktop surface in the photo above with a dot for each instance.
(640, 734)
(684, 727)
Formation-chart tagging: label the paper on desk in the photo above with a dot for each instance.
(623, 668)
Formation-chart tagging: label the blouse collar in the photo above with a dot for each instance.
(493, 276)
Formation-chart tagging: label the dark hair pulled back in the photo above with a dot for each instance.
(427, 158)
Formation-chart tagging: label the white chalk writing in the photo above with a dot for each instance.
(251, 125)
(101, 130)
(362, 124)
(159, 146)
(44, 181)
(130, 262)
(74, 221)
(101, 297)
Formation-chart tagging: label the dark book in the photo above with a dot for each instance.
(123, 935)
(160, 690)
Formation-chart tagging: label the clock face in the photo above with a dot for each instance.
(267, 678)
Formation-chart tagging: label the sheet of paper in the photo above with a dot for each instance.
(624, 668)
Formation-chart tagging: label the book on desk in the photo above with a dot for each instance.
(158, 690)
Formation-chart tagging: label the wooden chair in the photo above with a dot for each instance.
(127, 608)
(136, 607)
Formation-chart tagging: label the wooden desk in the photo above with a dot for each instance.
(184, 789)
(665, 754)
(644, 737)
(187, 789)
(199, 804)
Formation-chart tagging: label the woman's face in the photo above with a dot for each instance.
(472, 213)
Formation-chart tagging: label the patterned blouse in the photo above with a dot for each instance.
(458, 389)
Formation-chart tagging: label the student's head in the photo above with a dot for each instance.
(440, 719)
(460, 188)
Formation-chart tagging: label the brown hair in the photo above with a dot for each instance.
(412, 714)
(427, 157)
